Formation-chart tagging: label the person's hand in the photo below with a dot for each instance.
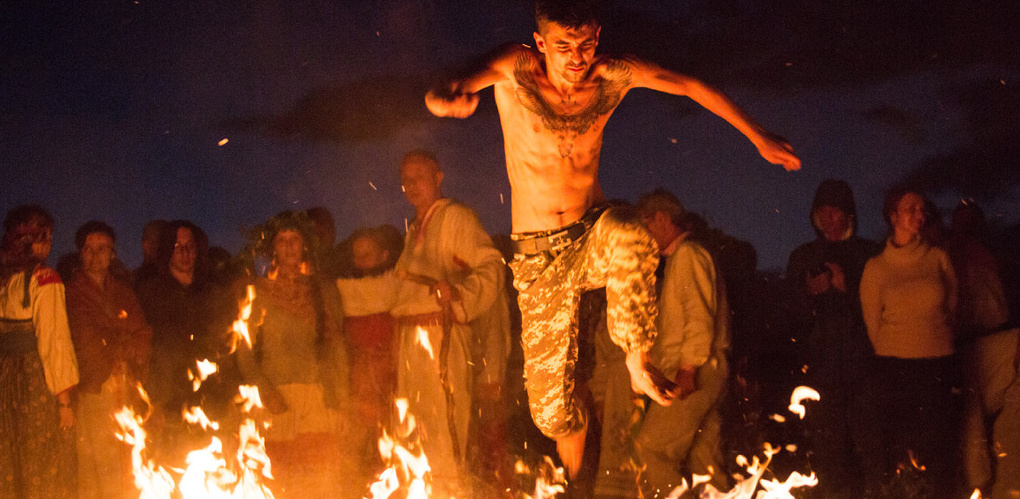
(838, 276)
(449, 103)
(274, 402)
(777, 151)
(817, 284)
(571, 450)
(685, 381)
(646, 379)
(444, 293)
(66, 418)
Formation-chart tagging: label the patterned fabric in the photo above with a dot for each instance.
(37, 458)
(617, 253)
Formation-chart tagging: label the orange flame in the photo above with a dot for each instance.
(408, 468)
(799, 395)
(240, 327)
(422, 339)
(209, 472)
(204, 368)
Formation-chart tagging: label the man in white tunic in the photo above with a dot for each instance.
(451, 275)
(691, 349)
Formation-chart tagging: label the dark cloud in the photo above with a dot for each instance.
(906, 124)
(795, 43)
(987, 165)
(359, 111)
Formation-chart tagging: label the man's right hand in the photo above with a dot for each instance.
(450, 103)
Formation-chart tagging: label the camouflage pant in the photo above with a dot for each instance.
(617, 253)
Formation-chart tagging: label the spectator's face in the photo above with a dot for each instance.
(150, 248)
(909, 215)
(833, 222)
(367, 254)
(568, 52)
(420, 179)
(289, 248)
(42, 244)
(185, 251)
(660, 227)
(97, 253)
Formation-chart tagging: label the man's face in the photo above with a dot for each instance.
(420, 180)
(367, 254)
(833, 222)
(289, 248)
(660, 227)
(96, 253)
(185, 250)
(568, 52)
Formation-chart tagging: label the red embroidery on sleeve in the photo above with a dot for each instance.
(46, 275)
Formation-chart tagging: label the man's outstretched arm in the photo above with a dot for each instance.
(771, 147)
(458, 98)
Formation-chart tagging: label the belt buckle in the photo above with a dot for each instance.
(559, 240)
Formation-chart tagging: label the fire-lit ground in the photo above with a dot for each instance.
(216, 448)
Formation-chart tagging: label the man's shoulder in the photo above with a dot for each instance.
(512, 58)
(615, 66)
(691, 252)
(457, 208)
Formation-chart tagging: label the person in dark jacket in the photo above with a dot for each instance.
(177, 302)
(824, 276)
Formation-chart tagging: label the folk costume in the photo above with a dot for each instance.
(447, 244)
(37, 457)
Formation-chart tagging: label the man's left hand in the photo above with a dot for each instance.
(779, 152)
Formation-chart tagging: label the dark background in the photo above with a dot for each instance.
(113, 110)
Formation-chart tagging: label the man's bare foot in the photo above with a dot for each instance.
(646, 379)
(570, 447)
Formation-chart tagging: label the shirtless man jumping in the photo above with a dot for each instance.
(554, 101)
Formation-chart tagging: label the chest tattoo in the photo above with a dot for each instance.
(567, 126)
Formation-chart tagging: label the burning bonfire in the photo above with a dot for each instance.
(211, 472)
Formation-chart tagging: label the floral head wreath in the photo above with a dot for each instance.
(260, 238)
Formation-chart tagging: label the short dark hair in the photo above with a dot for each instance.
(420, 155)
(662, 200)
(152, 229)
(93, 227)
(567, 13)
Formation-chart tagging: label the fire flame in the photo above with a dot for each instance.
(210, 473)
(205, 368)
(799, 394)
(240, 327)
(549, 482)
(407, 466)
(422, 339)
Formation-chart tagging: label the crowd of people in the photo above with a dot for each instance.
(909, 345)
(643, 343)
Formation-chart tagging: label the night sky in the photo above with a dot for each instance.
(115, 110)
